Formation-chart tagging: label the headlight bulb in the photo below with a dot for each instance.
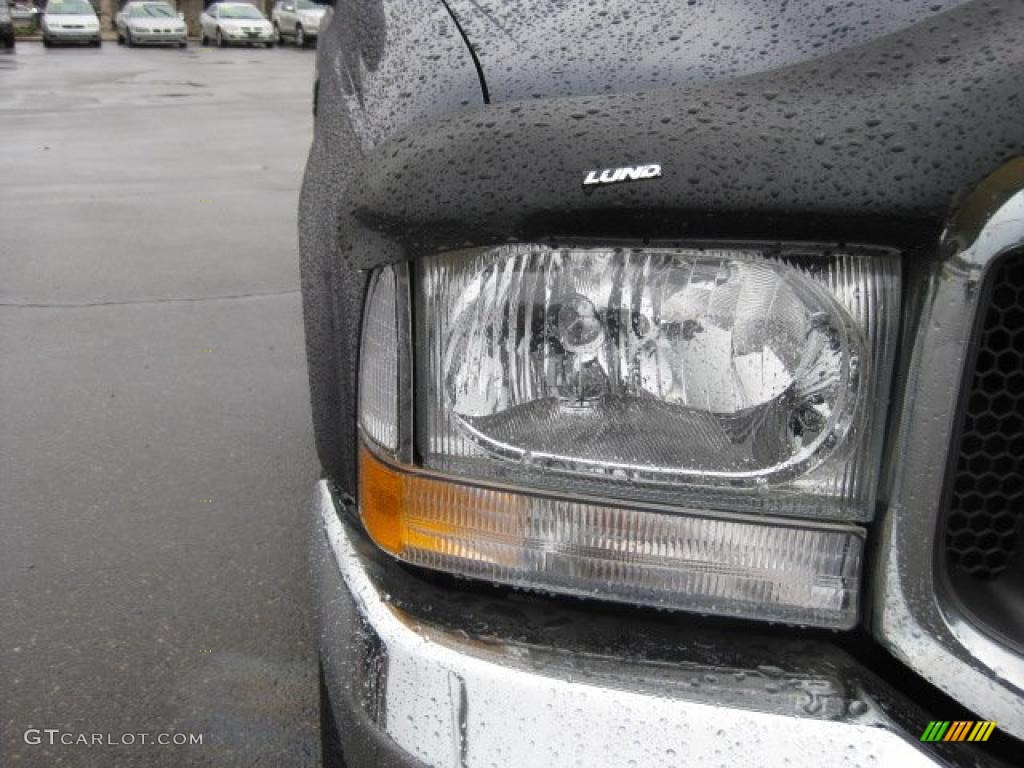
(579, 327)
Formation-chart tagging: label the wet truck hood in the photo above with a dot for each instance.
(545, 48)
(872, 142)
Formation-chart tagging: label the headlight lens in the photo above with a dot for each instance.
(692, 376)
(617, 423)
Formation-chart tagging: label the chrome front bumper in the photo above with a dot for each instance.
(423, 674)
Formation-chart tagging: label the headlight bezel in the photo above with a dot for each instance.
(405, 459)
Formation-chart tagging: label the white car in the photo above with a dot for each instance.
(235, 24)
(150, 23)
(297, 19)
(70, 21)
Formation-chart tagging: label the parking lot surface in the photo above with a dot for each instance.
(155, 446)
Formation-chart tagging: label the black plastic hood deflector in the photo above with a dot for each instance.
(871, 144)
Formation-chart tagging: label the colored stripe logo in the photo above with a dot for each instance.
(958, 730)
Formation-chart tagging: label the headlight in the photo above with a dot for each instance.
(732, 378)
(624, 422)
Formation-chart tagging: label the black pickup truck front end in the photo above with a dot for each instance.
(674, 426)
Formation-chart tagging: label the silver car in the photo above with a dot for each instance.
(297, 20)
(150, 23)
(235, 24)
(70, 21)
(25, 15)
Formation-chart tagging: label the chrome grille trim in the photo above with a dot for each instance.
(912, 615)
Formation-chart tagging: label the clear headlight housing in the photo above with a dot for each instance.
(708, 377)
(641, 424)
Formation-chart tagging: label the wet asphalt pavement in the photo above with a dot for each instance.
(156, 452)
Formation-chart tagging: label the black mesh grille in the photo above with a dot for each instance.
(983, 527)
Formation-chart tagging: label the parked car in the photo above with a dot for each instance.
(666, 364)
(150, 23)
(70, 21)
(297, 20)
(25, 15)
(6, 26)
(235, 24)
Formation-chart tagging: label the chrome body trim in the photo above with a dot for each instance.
(465, 678)
(912, 615)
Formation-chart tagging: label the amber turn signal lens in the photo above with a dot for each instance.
(406, 513)
(381, 489)
(797, 573)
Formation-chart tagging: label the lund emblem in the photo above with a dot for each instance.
(627, 173)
